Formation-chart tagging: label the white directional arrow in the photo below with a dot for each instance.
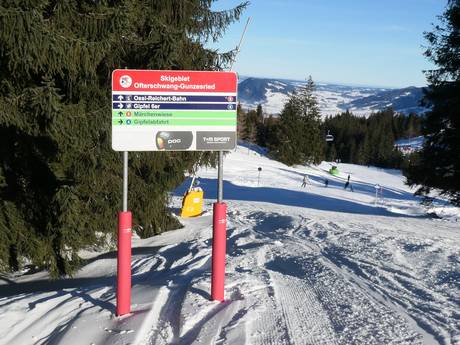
(120, 98)
(120, 105)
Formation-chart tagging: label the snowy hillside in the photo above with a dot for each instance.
(410, 145)
(310, 265)
(405, 100)
(332, 98)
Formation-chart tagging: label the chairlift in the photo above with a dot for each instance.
(329, 137)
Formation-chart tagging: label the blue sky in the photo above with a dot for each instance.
(359, 42)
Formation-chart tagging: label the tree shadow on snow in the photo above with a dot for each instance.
(82, 284)
(159, 274)
(288, 198)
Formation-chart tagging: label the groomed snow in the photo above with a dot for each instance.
(310, 265)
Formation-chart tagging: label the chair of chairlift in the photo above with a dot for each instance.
(329, 137)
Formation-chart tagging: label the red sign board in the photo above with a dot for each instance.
(174, 81)
(173, 110)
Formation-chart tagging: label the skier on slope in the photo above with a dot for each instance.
(378, 193)
(348, 184)
(305, 181)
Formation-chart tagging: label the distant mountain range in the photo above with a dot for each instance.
(332, 98)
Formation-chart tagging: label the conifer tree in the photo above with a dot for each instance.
(241, 122)
(299, 135)
(270, 132)
(260, 114)
(60, 181)
(367, 141)
(438, 164)
(251, 126)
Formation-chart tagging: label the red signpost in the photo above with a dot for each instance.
(219, 244)
(124, 263)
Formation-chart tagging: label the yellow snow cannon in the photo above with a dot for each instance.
(192, 203)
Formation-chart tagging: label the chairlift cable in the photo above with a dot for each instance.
(238, 47)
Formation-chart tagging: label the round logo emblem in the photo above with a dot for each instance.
(125, 81)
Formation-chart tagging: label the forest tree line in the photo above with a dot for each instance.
(293, 139)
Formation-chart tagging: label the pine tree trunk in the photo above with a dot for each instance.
(13, 261)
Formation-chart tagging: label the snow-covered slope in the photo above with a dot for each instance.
(406, 100)
(310, 265)
(332, 98)
(410, 145)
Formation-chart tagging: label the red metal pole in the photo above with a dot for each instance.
(124, 264)
(219, 244)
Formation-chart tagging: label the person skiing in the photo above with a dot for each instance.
(305, 181)
(378, 193)
(348, 184)
(326, 182)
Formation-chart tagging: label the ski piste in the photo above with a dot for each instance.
(314, 266)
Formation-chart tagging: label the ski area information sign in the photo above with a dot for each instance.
(173, 110)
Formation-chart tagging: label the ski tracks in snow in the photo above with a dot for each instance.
(363, 280)
(319, 306)
(294, 276)
(306, 279)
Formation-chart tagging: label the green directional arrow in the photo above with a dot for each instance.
(120, 113)
(177, 122)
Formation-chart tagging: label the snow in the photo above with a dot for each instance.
(310, 265)
(414, 142)
(275, 101)
(407, 146)
(277, 85)
(332, 99)
(329, 102)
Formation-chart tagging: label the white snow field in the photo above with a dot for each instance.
(310, 265)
